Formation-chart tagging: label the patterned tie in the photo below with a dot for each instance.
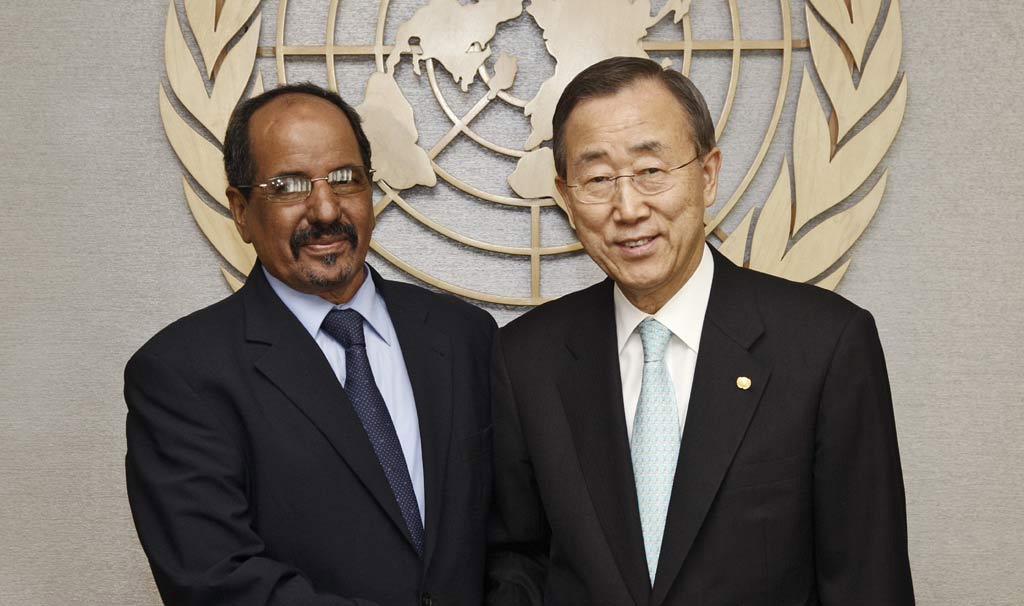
(655, 443)
(346, 327)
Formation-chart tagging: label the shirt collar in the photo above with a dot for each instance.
(683, 314)
(311, 309)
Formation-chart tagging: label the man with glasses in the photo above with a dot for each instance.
(320, 437)
(687, 431)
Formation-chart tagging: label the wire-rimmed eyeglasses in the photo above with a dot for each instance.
(600, 189)
(289, 189)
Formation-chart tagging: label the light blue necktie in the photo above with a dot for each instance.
(655, 442)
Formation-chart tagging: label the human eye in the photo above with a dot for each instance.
(285, 185)
(340, 176)
(348, 180)
(651, 177)
(597, 180)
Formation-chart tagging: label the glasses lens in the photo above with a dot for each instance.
(597, 190)
(288, 188)
(652, 181)
(349, 180)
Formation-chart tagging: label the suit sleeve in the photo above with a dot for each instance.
(186, 480)
(859, 504)
(519, 536)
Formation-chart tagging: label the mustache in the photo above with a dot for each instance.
(319, 230)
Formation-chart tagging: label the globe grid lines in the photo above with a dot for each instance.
(319, 50)
(687, 46)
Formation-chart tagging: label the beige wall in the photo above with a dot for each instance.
(99, 251)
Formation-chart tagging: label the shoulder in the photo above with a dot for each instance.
(793, 315)
(441, 308)
(196, 337)
(778, 296)
(803, 305)
(565, 308)
(589, 309)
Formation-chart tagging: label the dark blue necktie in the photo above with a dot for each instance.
(346, 327)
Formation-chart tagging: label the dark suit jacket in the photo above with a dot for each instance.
(786, 493)
(252, 481)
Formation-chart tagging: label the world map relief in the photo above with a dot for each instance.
(458, 36)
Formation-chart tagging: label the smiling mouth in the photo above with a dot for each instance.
(325, 243)
(636, 243)
(326, 247)
(324, 238)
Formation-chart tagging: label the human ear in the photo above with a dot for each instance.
(563, 193)
(239, 207)
(709, 168)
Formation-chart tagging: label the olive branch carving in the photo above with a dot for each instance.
(227, 69)
(793, 235)
(830, 161)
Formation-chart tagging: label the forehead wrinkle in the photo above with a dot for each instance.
(287, 133)
(589, 155)
(650, 147)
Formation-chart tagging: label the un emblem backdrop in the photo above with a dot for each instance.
(457, 99)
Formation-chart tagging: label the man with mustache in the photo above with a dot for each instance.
(320, 437)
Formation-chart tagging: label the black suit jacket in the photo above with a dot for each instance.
(252, 481)
(786, 493)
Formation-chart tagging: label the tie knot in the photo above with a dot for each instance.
(654, 336)
(345, 326)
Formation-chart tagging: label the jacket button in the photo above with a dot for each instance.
(427, 600)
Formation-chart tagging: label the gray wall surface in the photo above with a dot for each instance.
(100, 251)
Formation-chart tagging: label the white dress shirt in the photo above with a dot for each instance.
(386, 361)
(683, 314)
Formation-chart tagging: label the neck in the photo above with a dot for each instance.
(344, 293)
(652, 300)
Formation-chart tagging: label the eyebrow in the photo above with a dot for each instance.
(649, 147)
(299, 173)
(589, 156)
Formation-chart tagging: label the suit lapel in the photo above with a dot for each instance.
(427, 353)
(591, 392)
(295, 365)
(717, 418)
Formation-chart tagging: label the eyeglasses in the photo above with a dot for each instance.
(289, 189)
(600, 189)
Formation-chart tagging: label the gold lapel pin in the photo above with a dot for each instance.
(743, 382)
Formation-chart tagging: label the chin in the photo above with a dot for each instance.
(642, 280)
(331, 273)
(643, 285)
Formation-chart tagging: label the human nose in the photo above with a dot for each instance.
(629, 204)
(322, 205)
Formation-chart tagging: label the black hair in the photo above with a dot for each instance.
(609, 77)
(238, 163)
